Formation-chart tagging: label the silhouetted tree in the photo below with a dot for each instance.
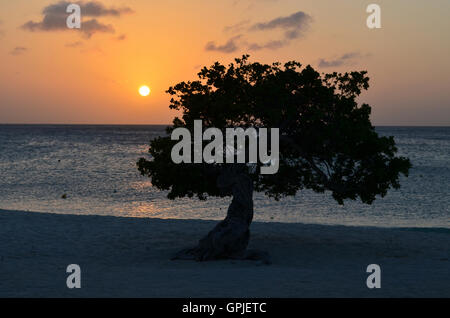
(326, 143)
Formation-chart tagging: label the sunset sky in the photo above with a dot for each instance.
(52, 74)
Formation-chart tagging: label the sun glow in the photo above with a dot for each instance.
(144, 90)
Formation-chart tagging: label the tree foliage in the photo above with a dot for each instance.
(327, 141)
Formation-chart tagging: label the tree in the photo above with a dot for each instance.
(327, 143)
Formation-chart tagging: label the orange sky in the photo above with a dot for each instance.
(61, 76)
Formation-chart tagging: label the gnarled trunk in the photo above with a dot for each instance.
(230, 237)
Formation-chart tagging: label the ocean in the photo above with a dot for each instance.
(94, 166)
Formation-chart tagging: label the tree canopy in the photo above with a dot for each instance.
(327, 141)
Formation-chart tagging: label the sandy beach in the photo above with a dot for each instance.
(129, 257)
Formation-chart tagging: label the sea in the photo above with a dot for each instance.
(91, 169)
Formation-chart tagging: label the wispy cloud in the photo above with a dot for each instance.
(295, 24)
(97, 9)
(18, 50)
(74, 44)
(55, 16)
(292, 27)
(229, 47)
(121, 37)
(271, 45)
(237, 27)
(341, 60)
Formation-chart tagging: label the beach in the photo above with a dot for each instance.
(130, 257)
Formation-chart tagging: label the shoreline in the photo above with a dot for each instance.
(129, 257)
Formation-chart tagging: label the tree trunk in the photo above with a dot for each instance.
(229, 238)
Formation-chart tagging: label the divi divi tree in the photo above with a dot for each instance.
(326, 143)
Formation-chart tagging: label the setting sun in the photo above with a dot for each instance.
(144, 90)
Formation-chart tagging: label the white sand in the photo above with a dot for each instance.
(129, 257)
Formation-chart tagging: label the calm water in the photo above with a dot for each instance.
(96, 167)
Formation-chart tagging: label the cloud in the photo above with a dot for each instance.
(93, 26)
(74, 44)
(97, 9)
(55, 16)
(272, 45)
(295, 24)
(236, 27)
(343, 59)
(18, 50)
(292, 27)
(292, 34)
(229, 47)
(121, 37)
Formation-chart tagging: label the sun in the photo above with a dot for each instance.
(144, 90)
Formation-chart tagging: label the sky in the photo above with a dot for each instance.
(52, 74)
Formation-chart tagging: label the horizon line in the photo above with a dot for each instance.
(166, 124)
